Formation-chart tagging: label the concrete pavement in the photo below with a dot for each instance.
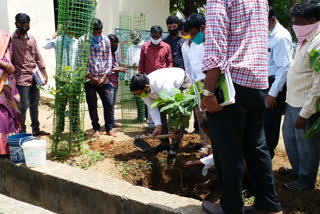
(12, 206)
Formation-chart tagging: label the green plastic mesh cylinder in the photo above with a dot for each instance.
(132, 107)
(75, 21)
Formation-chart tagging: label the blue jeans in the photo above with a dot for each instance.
(303, 153)
(30, 97)
(106, 93)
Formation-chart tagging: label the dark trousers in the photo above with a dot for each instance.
(30, 97)
(272, 119)
(114, 94)
(106, 93)
(237, 134)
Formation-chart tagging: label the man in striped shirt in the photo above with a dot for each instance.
(99, 66)
(303, 95)
(237, 40)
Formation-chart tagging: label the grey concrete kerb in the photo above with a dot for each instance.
(64, 189)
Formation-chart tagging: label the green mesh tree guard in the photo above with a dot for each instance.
(75, 21)
(132, 107)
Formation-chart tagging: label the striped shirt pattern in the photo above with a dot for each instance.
(237, 39)
(303, 84)
(100, 59)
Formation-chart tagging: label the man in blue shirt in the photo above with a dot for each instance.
(280, 57)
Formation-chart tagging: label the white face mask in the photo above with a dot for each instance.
(156, 42)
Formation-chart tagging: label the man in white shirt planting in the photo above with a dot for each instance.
(149, 87)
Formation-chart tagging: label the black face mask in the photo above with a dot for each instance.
(174, 32)
(22, 30)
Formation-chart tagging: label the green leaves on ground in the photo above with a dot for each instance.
(179, 107)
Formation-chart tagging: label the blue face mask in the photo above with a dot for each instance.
(199, 38)
(95, 41)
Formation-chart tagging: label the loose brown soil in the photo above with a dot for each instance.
(117, 157)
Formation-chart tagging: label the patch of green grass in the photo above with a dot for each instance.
(124, 169)
(94, 156)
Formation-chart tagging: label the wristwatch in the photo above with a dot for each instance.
(207, 93)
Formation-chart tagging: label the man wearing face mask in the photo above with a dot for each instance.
(69, 56)
(280, 58)
(26, 58)
(132, 60)
(155, 54)
(175, 41)
(303, 93)
(193, 53)
(99, 67)
(149, 87)
(114, 76)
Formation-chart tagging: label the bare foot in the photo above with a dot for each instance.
(96, 134)
(111, 133)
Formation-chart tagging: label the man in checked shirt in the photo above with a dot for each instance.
(237, 40)
(99, 66)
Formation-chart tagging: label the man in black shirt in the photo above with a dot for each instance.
(175, 41)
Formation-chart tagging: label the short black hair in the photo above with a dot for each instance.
(156, 29)
(182, 23)
(138, 82)
(113, 38)
(172, 20)
(97, 24)
(272, 12)
(307, 9)
(22, 18)
(195, 20)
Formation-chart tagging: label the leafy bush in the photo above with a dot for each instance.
(315, 65)
(179, 107)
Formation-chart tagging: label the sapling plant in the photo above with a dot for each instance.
(179, 108)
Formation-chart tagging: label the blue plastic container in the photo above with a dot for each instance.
(16, 152)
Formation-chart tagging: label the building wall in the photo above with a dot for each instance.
(42, 23)
(156, 12)
(41, 26)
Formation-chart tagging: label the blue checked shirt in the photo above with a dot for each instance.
(100, 59)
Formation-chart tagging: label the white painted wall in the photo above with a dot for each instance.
(156, 12)
(41, 26)
(42, 23)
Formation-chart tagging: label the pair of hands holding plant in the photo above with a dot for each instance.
(211, 105)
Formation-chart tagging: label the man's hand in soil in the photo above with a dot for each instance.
(157, 131)
(210, 104)
(271, 102)
(301, 123)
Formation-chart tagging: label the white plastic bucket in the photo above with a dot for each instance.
(35, 153)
